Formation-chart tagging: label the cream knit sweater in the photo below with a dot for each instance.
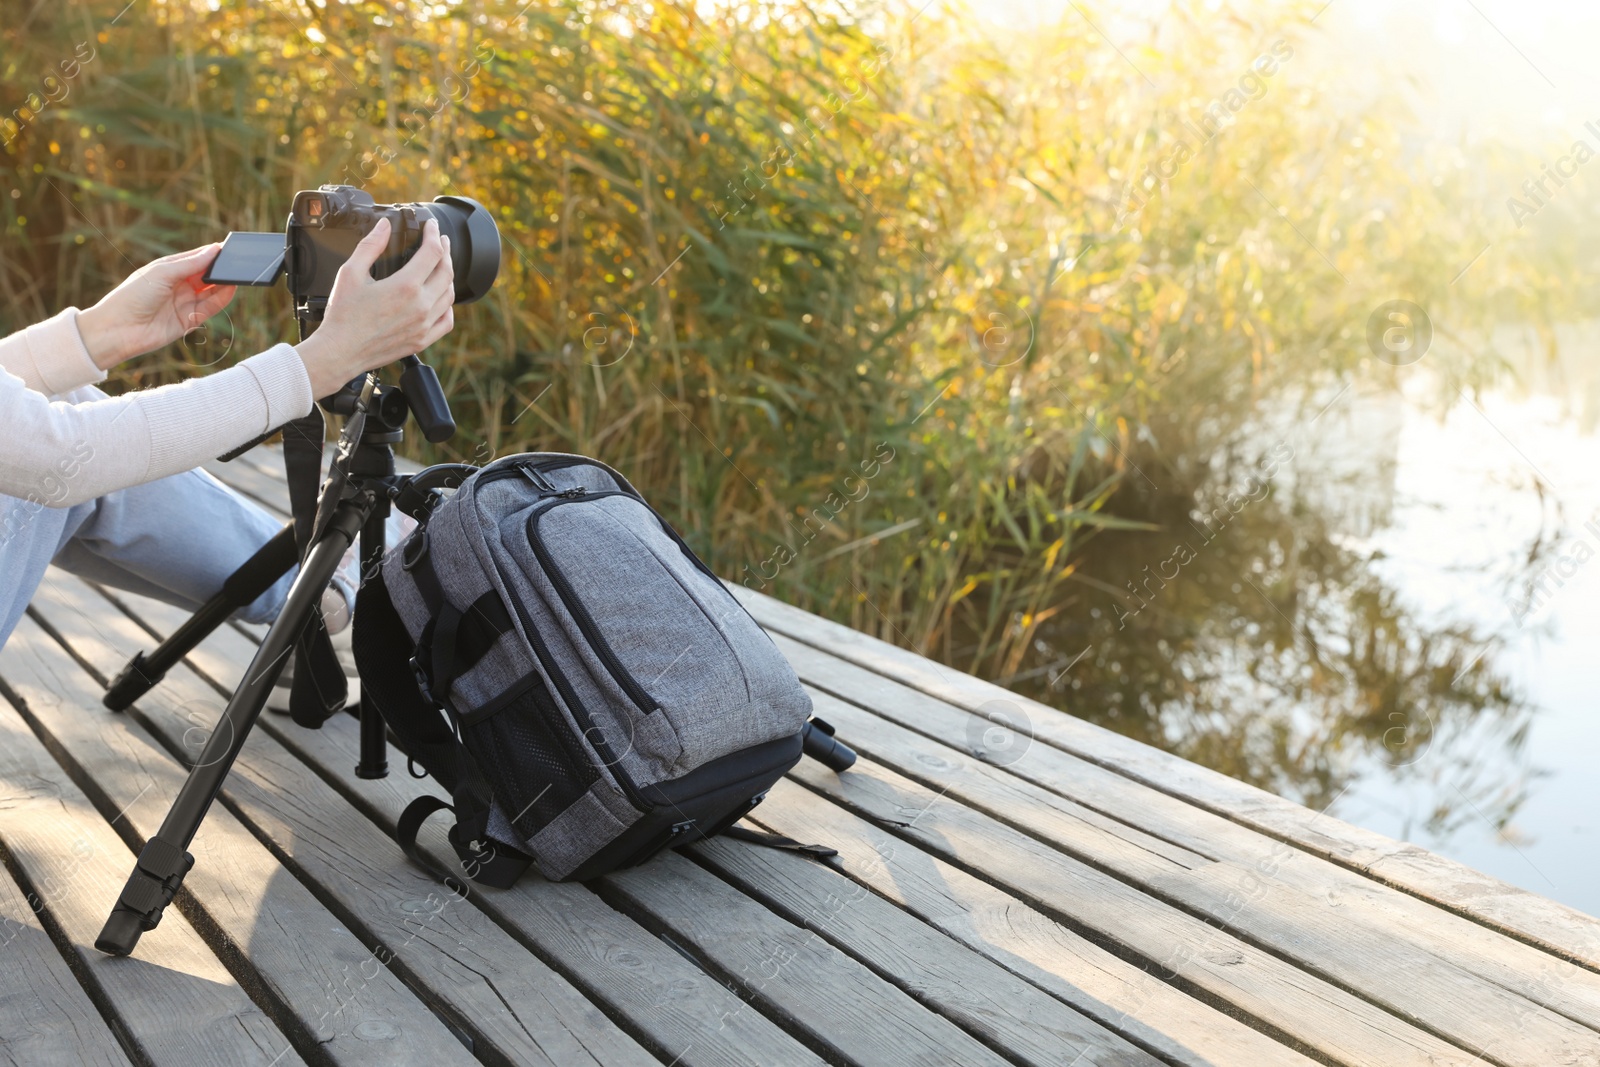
(63, 452)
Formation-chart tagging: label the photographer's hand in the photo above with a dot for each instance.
(156, 305)
(369, 323)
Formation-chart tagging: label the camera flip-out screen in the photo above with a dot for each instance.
(247, 259)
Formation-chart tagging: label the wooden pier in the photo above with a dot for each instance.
(1014, 886)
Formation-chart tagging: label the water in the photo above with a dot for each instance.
(1496, 519)
(1393, 616)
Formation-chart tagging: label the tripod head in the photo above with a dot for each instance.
(418, 394)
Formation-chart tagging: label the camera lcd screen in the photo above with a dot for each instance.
(247, 259)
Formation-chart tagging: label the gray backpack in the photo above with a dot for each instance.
(549, 649)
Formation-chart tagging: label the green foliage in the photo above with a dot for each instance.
(754, 252)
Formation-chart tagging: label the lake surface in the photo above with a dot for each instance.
(1383, 601)
(1495, 520)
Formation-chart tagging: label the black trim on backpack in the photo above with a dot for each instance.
(382, 649)
(486, 861)
(525, 710)
(769, 840)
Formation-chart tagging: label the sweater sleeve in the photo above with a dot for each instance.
(60, 454)
(50, 356)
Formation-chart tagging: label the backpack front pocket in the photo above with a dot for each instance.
(525, 727)
(669, 636)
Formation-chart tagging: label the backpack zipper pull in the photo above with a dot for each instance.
(573, 493)
(540, 482)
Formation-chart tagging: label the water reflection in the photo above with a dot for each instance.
(1258, 631)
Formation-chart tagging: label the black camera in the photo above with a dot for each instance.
(326, 224)
(324, 227)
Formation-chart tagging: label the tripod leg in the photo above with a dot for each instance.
(254, 577)
(163, 862)
(374, 743)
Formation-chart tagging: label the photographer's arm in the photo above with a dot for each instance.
(154, 306)
(50, 356)
(59, 454)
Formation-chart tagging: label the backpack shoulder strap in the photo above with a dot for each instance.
(319, 689)
(788, 844)
(386, 656)
(486, 861)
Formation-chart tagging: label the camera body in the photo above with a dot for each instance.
(324, 227)
(326, 224)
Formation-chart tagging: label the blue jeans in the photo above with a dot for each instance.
(176, 539)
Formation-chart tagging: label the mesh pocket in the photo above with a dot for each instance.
(534, 761)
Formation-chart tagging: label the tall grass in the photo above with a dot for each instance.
(752, 256)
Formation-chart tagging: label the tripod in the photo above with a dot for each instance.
(355, 501)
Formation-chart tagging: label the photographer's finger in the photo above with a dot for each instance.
(181, 265)
(443, 275)
(439, 312)
(212, 299)
(196, 259)
(367, 252)
(426, 257)
(439, 292)
(443, 325)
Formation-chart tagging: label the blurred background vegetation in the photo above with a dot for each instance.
(753, 251)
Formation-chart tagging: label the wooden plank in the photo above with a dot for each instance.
(1006, 1013)
(824, 994)
(487, 983)
(1123, 997)
(1350, 900)
(259, 475)
(1228, 972)
(1311, 931)
(1132, 850)
(1553, 927)
(77, 865)
(683, 1012)
(46, 1018)
(256, 906)
(658, 996)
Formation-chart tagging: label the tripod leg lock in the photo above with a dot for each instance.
(154, 882)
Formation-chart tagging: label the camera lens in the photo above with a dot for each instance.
(474, 243)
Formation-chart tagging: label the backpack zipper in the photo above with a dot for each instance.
(541, 652)
(540, 482)
(596, 737)
(630, 685)
(531, 471)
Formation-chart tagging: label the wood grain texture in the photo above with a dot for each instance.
(673, 1006)
(179, 1004)
(684, 1013)
(457, 957)
(1125, 998)
(46, 1019)
(1355, 901)
(301, 952)
(1554, 927)
(1246, 980)
(1023, 1021)
(823, 993)
(1258, 903)
(1314, 935)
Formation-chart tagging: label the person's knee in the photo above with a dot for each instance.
(269, 605)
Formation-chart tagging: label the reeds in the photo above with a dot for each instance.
(749, 252)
